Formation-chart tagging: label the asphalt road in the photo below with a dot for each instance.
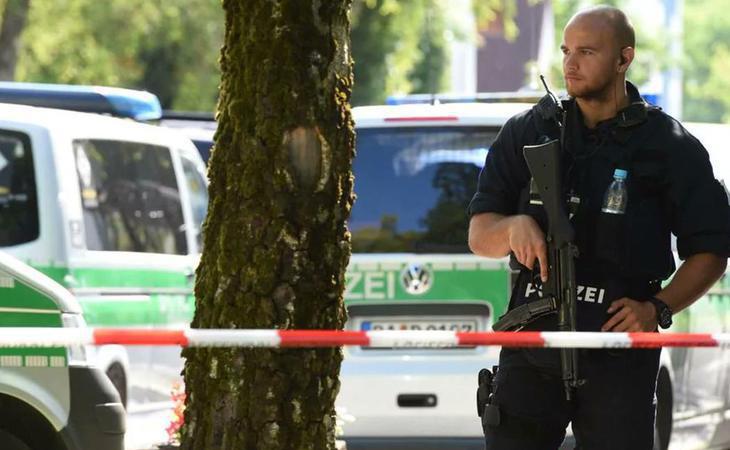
(146, 429)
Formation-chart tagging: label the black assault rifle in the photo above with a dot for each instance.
(560, 290)
(544, 162)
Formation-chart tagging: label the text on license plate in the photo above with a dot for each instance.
(430, 325)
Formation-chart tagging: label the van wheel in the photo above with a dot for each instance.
(665, 404)
(116, 374)
(12, 442)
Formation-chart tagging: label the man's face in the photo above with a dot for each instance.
(590, 58)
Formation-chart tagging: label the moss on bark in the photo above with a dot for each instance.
(276, 240)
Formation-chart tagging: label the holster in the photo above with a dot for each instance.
(488, 411)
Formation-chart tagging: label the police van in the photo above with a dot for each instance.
(415, 172)
(110, 209)
(51, 398)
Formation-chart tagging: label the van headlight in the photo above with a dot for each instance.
(77, 354)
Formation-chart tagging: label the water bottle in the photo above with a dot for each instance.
(614, 202)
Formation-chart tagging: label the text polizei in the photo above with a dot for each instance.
(589, 294)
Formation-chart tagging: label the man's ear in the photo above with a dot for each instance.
(626, 56)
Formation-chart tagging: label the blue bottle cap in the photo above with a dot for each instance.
(620, 173)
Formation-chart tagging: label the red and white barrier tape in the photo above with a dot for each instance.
(60, 337)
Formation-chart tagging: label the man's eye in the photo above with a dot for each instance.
(587, 52)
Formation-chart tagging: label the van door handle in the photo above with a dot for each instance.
(417, 400)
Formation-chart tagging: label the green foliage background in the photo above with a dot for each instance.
(171, 47)
(706, 62)
(398, 46)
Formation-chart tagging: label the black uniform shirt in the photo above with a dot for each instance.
(671, 187)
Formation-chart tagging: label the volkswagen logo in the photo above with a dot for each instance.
(416, 279)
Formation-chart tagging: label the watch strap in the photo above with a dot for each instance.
(663, 312)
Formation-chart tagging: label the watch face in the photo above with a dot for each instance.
(665, 318)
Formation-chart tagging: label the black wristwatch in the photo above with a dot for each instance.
(663, 313)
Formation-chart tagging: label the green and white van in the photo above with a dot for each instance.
(415, 172)
(51, 398)
(111, 210)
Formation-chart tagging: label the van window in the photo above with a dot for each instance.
(18, 199)
(130, 197)
(413, 187)
(198, 196)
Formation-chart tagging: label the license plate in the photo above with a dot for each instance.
(419, 325)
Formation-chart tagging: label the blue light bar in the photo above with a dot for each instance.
(653, 98)
(482, 97)
(118, 102)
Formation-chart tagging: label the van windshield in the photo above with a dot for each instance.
(18, 200)
(413, 187)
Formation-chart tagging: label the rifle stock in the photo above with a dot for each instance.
(544, 163)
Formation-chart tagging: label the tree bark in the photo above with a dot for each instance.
(14, 18)
(276, 242)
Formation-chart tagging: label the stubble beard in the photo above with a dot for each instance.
(598, 91)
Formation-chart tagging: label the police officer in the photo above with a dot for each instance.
(623, 258)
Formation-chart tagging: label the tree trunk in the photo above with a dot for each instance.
(276, 242)
(12, 26)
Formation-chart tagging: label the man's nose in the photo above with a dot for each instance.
(569, 63)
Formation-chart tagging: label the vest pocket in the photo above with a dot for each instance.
(611, 243)
(649, 240)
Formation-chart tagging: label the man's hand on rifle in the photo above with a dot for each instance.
(527, 241)
(631, 316)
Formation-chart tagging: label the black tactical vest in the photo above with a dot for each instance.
(619, 254)
(635, 245)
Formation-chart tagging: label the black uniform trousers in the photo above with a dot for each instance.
(613, 410)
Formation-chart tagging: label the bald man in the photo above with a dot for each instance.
(624, 255)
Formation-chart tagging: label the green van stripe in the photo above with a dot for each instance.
(23, 296)
(155, 310)
(30, 319)
(116, 277)
(119, 297)
(138, 278)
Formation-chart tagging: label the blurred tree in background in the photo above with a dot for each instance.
(398, 46)
(172, 47)
(14, 16)
(706, 61)
(402, 46)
